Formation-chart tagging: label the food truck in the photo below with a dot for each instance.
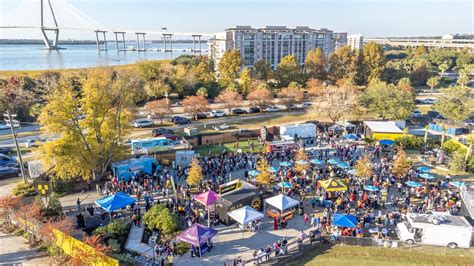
(280, 146)
(435, 229)
(123, 170)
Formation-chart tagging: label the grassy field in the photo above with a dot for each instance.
(356, 255)
(216, 149)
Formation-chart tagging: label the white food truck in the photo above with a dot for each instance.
(440, 229)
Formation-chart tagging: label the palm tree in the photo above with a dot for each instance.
(432, 82)
(442, 68)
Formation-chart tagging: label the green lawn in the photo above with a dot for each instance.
(356, 255)
(216, 149)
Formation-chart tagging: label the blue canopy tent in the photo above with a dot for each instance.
(386, 142)
(316, 161)
(272, 169)
(343, 165)
(286, 164)
(456, 184)
(115, 202)
(423, 169)
(413, 184)
(332, 161)
(371, 188)
(351, 136)
(302, 162)
(427, 176)
(345, 220)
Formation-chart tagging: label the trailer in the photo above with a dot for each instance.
(305, 131)
(235, 200)
(435, 229)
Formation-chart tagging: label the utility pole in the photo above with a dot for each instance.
(9, 119)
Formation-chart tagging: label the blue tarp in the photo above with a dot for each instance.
(115, 202)
(345, 220)
(386, 142)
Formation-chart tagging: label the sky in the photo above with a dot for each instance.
(372, 18)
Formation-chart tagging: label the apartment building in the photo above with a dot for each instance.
(270, 43)
(355, 41)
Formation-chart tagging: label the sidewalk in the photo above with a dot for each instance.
(15, 251)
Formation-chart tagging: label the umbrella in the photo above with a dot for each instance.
(272, 169)
(423, 169)
(413, 184)
(426, 176)
(302, 162)
(286, 164)
(245, 215)
(284, 185)
(386, 142)
(343, 165)
(456, 184)
(333, 161)
(371, 188)
(206, 198)
(351, 136)
(254, 173)
(316, 161)
(352, 172)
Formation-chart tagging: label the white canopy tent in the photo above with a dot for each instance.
(282, 202)
(245, 215)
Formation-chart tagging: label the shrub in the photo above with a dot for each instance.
(63, 186)
(159, 217)
(115, 229)
(470, 164)
(451, 146)
(23, 189)
(114, 245)
(53, 250)
(182, 248)
(410, 142)
(53, 208)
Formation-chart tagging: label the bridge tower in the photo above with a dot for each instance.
(50, 44)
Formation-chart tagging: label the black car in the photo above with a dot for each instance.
(434, 115)
(6, 172)
(173, 118)
(5, 150)
(201, 116)
(182, 121)
(254, 109)
(160, 131)
(239, 111)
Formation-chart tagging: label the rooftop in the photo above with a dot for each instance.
(383, 126)
(443, 219)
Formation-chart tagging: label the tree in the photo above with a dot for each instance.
(420, 51)
(457, 163)
(96, 251)
(156, 89)
(229, 99)
(335, 102)
(53, 207)
(442, 68)
(159, 108)
(290, 95)
(261, 96)
(229, 66)
(244, 81)
(15, 98)
(314, 87)
(364, 168)
(456, 104)
(7, 204)
(374, 60)
(262, 70)
(86, 147)
(264, 177)
(463, 78)
(301, 155)
(433, 82)
(401, 165)
(388, 101)
(340, 63)
(315, 64)
(288, 70)
(195, 174)
(202, 92)
(405, 84)
(46, 232)
(195, 105)
(420, 74)
(359, 69)
(159, 217)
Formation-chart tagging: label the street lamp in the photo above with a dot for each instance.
(9, 119)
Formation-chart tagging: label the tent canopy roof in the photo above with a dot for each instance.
(196, 234)
(115, 202)
(245, 215)
(206, 198)
(383, 127)
(345, 220)
(282, 202)
(332, 184)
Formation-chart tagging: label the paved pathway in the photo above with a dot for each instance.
(15, 251)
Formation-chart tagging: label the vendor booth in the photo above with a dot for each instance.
(237, 199)
(198, 236)
(332, 185)
(382, 130)
(279, 207)
(207, 199)
(245, 215)
(115, 202)
(344, 220)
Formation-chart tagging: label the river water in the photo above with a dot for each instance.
(35, 57)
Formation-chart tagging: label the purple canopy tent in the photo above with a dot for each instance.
(196, 235)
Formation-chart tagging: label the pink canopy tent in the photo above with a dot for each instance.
(206, 198)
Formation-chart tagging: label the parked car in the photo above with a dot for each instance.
(243, 132)
(254, 109)
(170, 136)
(7, 161)
(272, 109)
(428, 101)
(216, 113)
(416, 114)
(5, 150)
(30, 143)
(173, 118)
(435, 115)
(291, 107)
(238, 111)
(307, 104)
(201, 116)
(139, 123)
(160, 131)
(181, 121)
(221, 127)
(6, 172)
(4, 125)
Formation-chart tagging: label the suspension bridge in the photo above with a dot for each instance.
(101, 33)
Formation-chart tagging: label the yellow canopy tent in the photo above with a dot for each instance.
(332, 185)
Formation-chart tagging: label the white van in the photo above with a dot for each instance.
(435, 229)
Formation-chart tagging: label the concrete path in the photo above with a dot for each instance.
(15, 251)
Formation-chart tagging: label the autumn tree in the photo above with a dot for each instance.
(195, 105)
(229, 99)
(374, 60)
(401, 165)
(456, 104)
(159, 108)
(314, 87)
(157, 88)
(244, 81)
(315, 64)
(229, 66)
(442, 68)
(264, 177)
(290, 95)
(7, 205)
(96, 250)
(463, 78)
(301, 156)
(457, 163)
(288, 70)
(261, 96)
(15, 98)
(364, 168)
(340, 63)
(262, 70)
(195, 174)
(335, 102)
(47, 230)
(86, 147)
(405, 84)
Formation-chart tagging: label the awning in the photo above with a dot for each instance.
(206, 198)
(386, 142)
(282, 202)
(332, 185)
(245, 215)
(115, 202)
(345, 220)
(196, 234)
